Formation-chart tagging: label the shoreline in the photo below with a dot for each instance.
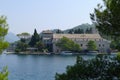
(41, 53)
(51, 53)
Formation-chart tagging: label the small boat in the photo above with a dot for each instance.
(66, 53)
(47, 53)
(92, 53)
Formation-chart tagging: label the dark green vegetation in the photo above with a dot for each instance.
(115, 45)
(3, 32)
(35, 38)
(80, 29)
(107, 18)
(102, 67)
(91, 46)
(4, 74)
(40, 45)
(34, 42)
(24, 33)
(3, 44)
(83, 28)
(21, 46)
(67, 44)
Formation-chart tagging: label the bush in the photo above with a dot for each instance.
(17, 50)
(102, 67)
(4, 74)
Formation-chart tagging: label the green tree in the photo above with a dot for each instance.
(21, 46)
(115, 45)
(4, 74)
(90, 30)
(70, 31)
(101, 67)
(91, 46)
(107, 18)
(3, 32)
(67, 44)
(40, 45)
(3, 44)
(87, 30)
(23, 34)
(35, 38)
(59, 31)
(81, 31)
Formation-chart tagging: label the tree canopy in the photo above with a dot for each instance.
(24, 34)
(107, 18)
(102, 67)
(91, 46)
(21, 46)
(67, 44)
(35, 38)
(3, 32)
(115, 45)
(3, 44)
(40, 45)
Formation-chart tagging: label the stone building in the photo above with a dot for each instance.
(82, 39)
(47, 37)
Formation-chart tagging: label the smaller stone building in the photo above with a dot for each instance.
(47, 37)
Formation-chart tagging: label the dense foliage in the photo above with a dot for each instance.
(107, 18)
(67, 44)
(3, 44)
(26, 43)
(80, 31)
(23, 34)
(35, 38)
(102, 67)
(115, 45)
(59, 31)
(91, 46)
(21, 46)
(4, 74)
(3, 32)
(77, 31)
(40, 45)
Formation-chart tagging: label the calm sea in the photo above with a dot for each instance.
(36, 67)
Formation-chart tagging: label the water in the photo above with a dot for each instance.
(36, 67)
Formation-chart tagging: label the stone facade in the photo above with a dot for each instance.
(82, 39)
(47, 37)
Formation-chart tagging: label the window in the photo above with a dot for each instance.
(81, 45)
(103, 45)
(99, 45)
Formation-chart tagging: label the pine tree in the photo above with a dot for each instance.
(107, 18)
(35, 38)
(3, 44)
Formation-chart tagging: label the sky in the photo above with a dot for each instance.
(26, 15)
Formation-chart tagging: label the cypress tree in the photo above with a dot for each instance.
(35, 38)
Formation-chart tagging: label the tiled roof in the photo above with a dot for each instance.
(47, 31)
(94, 36)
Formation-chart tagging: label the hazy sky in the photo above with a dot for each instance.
(26, 15)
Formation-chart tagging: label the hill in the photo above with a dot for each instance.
(84, 27)
(80, 29)
(11, 37)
